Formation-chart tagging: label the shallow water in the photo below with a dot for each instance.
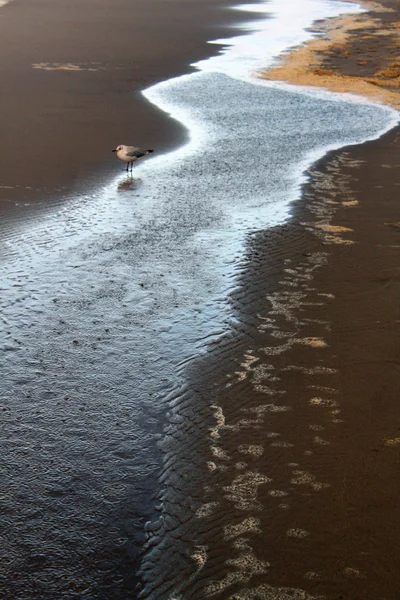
(106, 302)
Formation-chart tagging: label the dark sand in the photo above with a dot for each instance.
(58, 127)
(318, 334)
(334, 350)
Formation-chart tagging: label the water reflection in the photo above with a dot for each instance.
(129, 183)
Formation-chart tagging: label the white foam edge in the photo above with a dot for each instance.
(197, 131)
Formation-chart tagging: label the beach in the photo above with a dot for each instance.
(202, 359)
(308, 380)
(73, 87)
(354, 54)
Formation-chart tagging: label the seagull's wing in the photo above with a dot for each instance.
(133, 152)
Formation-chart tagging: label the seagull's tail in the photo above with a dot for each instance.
(149, 151)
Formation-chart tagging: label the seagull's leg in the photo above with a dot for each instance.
(127, 167)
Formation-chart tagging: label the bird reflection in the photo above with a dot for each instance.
(129, 183)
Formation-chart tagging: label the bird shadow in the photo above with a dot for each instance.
(129, 183)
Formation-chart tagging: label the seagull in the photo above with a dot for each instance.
(130, 154)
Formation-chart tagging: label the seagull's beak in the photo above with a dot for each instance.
(114, 150)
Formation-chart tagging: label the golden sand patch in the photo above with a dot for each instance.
(249, 525)
(323, 388)
(220, 421)
(319, 440)
(267, 408)
(350, 203)
(332, 239)
(219, 453)
(200, 556)
(305, 478)
(393, 442)
(353, 572)
(297, 533)
(244, 489)
(248, 562)
(332, 228)
(312, 575)
(249, 360)
(206, 510)
(277, 493)
(282, 445)
(248, 566)
(302, 66)
(240, 465)
(322, 402)
(51, 66)
(270, 592)
(251, 449)
(314, 342)
(241, 544)
(311, 371)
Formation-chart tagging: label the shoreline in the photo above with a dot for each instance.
(292, 312)
(86, 97)
(354, 54)
(303, 491)
(299, 401)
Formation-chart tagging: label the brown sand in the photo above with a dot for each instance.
(59, 126)
(310, 376)
(305, 448)
(357, 54)
(305, 390)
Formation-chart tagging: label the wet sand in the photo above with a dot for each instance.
(302, 422)
(60, 125)
(305, 422)
(299, 421)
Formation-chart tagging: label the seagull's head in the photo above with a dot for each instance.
(118, 148)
